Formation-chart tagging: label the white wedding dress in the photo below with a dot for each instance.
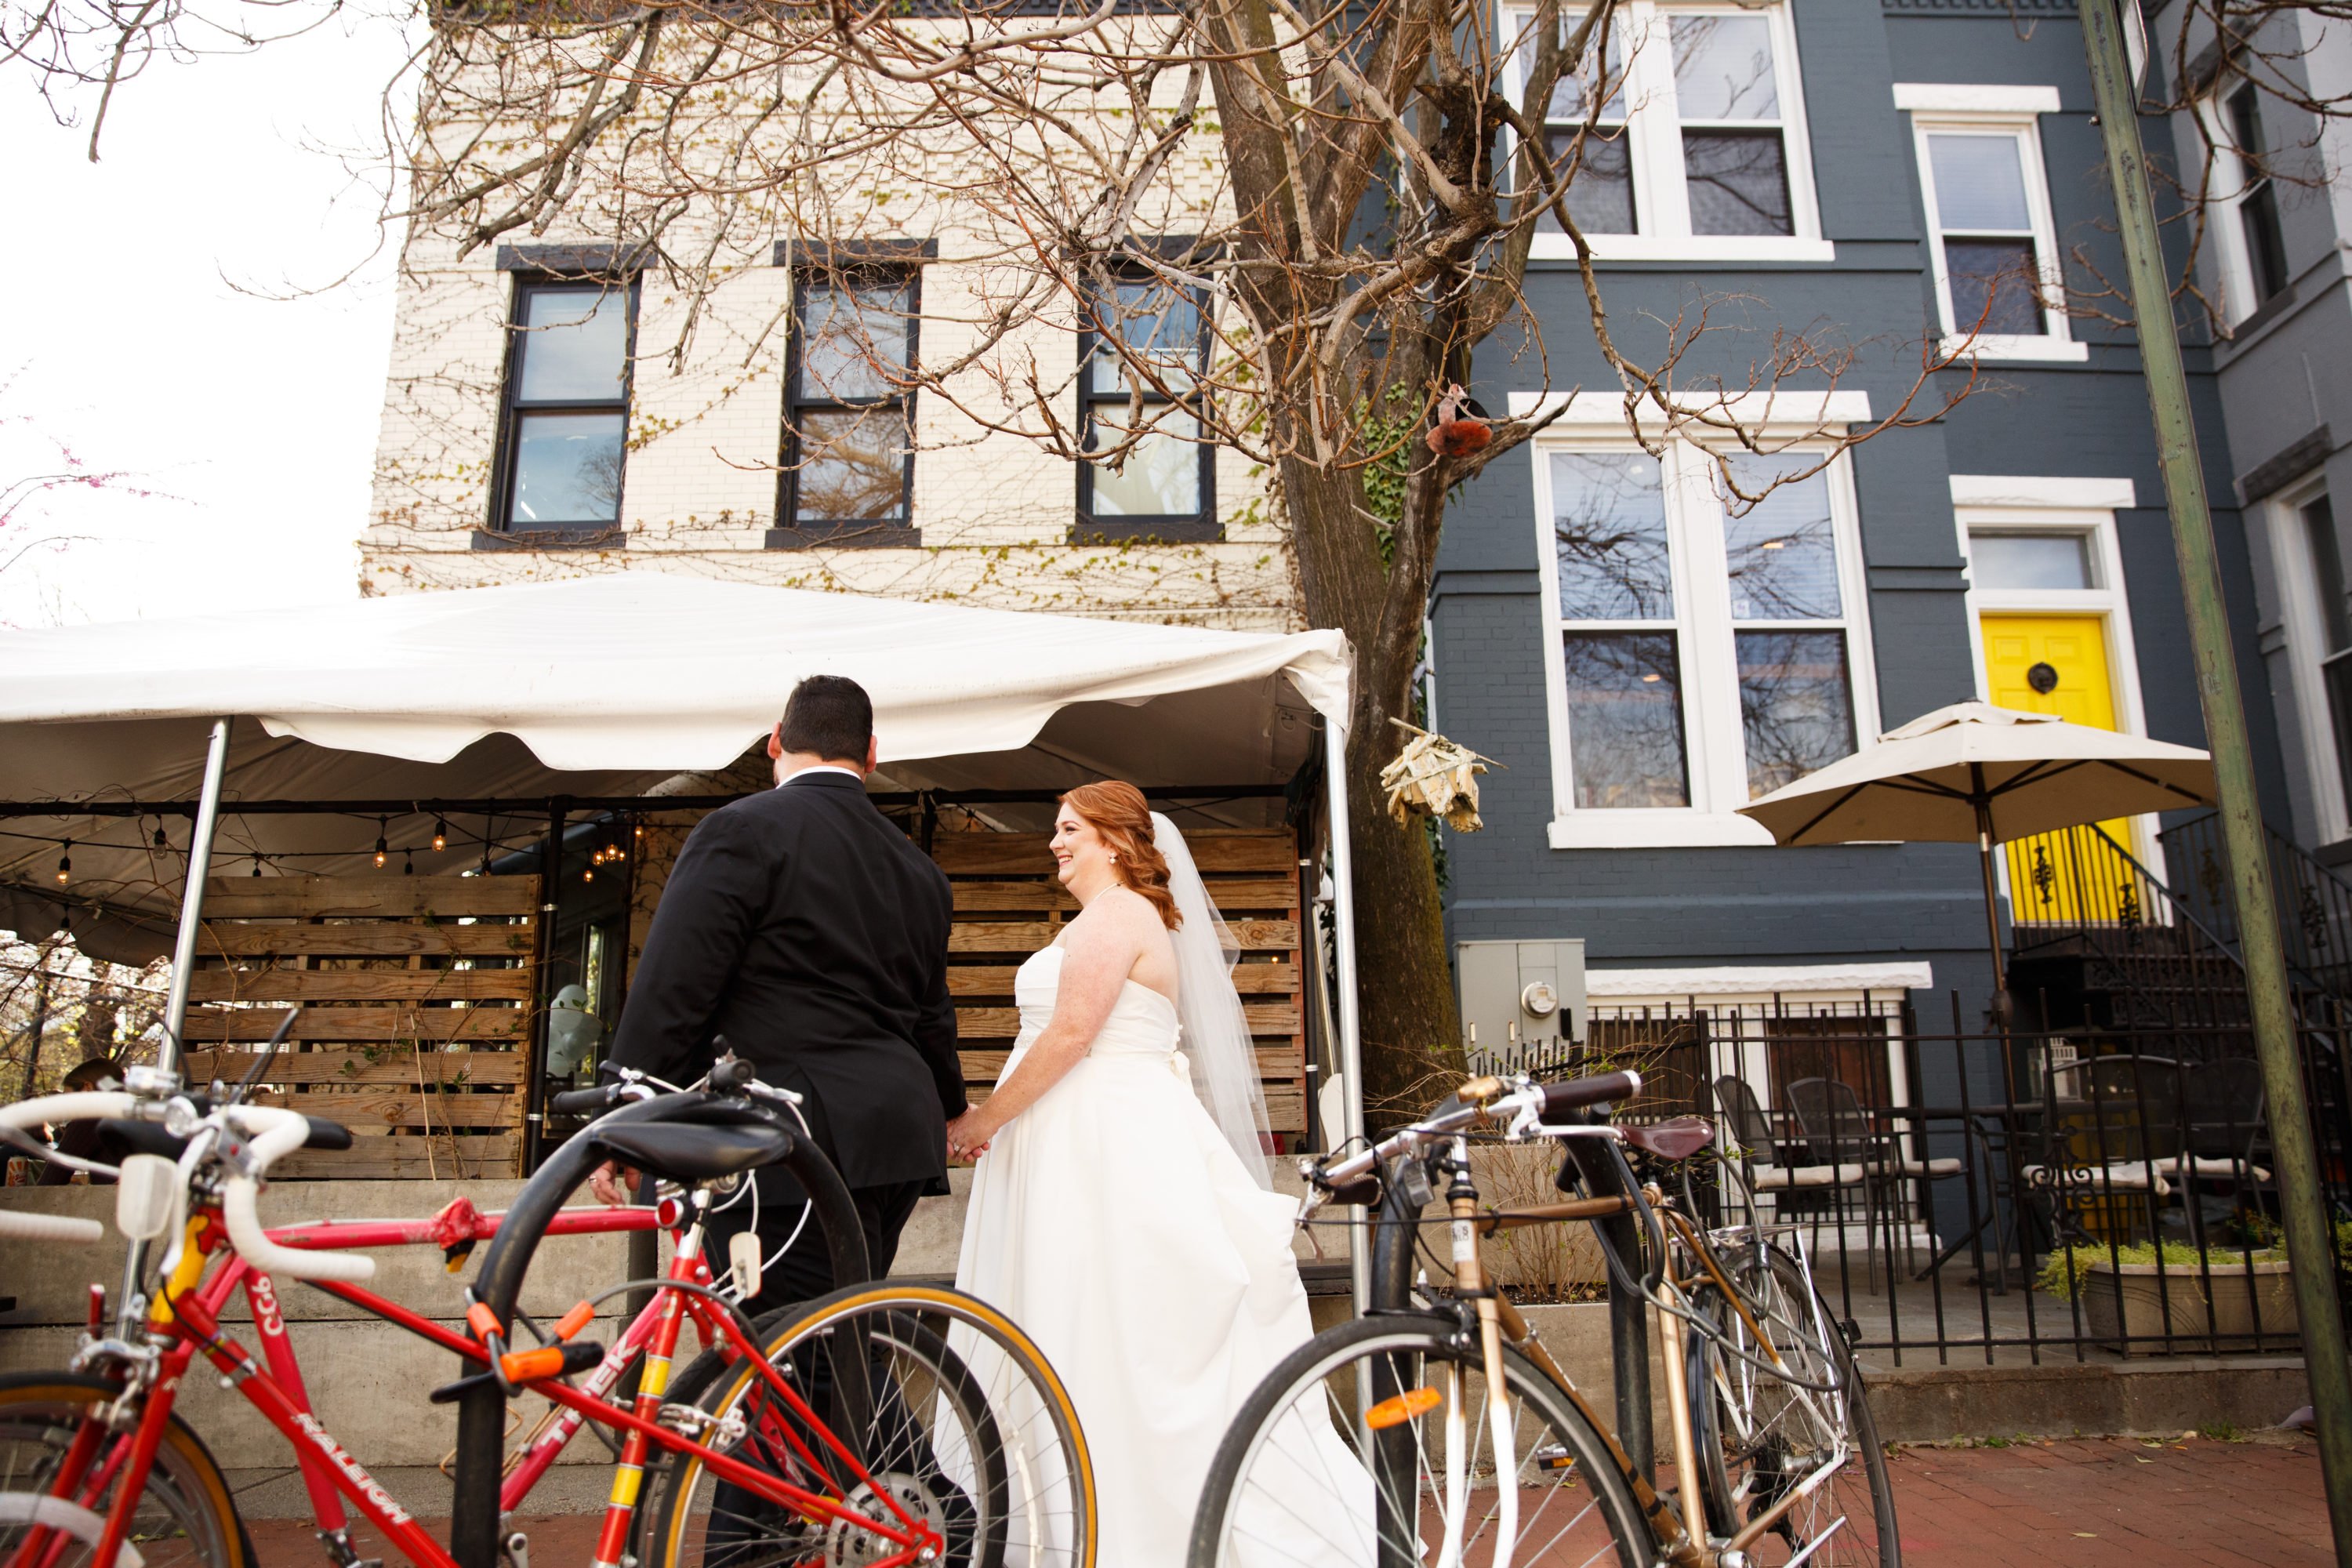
(1117, 1226)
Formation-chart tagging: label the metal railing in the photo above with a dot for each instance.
(2314, 904)
(2009, 1198)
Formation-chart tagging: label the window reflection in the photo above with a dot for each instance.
(1625, 719)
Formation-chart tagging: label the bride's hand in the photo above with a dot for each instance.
(968, 1137)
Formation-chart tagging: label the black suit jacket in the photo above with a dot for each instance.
(812, 933)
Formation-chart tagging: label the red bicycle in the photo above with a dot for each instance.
(881, 1426)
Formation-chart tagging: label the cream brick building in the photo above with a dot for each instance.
(706, 473)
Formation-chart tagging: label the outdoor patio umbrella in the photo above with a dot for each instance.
(1973, 771)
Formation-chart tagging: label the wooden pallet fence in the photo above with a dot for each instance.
(1008, 904)
(418, 995)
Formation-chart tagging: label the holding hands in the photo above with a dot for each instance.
(969, 1135)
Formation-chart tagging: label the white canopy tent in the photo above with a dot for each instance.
(606, 686)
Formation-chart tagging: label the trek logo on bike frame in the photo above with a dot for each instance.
(383, 1499)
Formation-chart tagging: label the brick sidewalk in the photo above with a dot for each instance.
(2092, 1502)
(2115, 1502)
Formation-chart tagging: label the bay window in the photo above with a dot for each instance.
(1705, 624)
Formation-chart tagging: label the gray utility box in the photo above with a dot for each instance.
(1520, 993)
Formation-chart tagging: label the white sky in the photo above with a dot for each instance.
(252, 419)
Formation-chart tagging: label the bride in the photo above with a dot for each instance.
(1120, 1212)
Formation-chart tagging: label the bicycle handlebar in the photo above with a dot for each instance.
(271, 1133)
(1483, 1098)
(89, 1105)
(280, 1132)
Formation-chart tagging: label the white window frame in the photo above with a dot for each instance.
(1655, 137)
(2016, 112)
(2303, 621)
(2227, 227)
(1984, 503)
(1714, 740)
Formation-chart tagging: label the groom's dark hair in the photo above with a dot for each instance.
(828, 716)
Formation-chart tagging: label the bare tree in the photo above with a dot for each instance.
(1281, 229)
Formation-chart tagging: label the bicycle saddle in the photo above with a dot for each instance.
(1676, 1140)
(686, 1152)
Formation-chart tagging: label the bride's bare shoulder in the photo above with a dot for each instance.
(1116, 910)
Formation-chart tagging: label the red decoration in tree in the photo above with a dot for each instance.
(1457, 433)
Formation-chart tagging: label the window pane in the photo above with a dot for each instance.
(2265, 243)
(1569, 99)
(1782, 550)
(1739, 182)
(1995, 286)
(2043, 561)
(1794, 705)
(1600, 196)
(1161, 477)
(2328, 574)
(1980, 182)
(574, 345)
(567, 471)
(1625, 719)
(1160, 326)
(1723, 69)
(852, 466)
(851, 337)
(2246, 129)
(1609, 525)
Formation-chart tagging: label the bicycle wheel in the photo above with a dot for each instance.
(958, 1422)
(1300, 1480)
(1763, 1435)
(185, 1517)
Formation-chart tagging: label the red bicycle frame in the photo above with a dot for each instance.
(190, 1313)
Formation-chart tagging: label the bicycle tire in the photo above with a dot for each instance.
(978, 1362)
(1755, 1432)
(187, 1516)
(1316, 1380)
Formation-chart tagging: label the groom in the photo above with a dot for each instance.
(812, 933)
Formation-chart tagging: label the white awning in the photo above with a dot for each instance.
(605, 685)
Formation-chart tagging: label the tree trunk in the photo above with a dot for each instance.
(1411, 1030)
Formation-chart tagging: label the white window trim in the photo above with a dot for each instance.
(1757, 984)
(2023, 504)
(1656, 154)
(1990, 111)
(2300, 616)
(2226, 229)
(1715, 750)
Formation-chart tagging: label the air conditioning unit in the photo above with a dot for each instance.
(1521, 1000)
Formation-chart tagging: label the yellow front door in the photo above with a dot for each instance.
(2058, 664)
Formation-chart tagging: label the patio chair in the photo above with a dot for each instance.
(1762, 1160)
(2223, 1128)
(1834, 1123)
(2127, 1144)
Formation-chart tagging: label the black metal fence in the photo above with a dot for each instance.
(2004, 1196)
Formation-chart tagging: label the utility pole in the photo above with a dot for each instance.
(2311, 1251)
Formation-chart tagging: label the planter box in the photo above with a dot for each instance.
(2134, 1301)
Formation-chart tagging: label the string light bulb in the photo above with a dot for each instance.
(440, 834)
(588, 875)
(256, 865)
(382, 849)
(160, 842)
(409, 862)
(65, 863)
(486, 858)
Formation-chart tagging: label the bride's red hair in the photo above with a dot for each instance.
(1118, 812)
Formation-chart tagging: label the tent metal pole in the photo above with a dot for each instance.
(192, 899)
(1351, 1045)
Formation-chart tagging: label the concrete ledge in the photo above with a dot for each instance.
(1923, 1405)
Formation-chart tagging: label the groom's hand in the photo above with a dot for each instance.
(615, 1184)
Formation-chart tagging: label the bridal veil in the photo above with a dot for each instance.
(1216, 1039)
